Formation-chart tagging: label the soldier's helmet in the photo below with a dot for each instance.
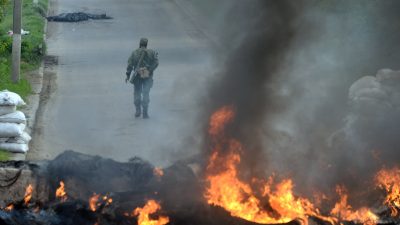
(143, 42)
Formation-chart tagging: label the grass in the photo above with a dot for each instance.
(32, 46)
(4, 155)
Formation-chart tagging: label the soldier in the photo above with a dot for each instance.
(143, 61)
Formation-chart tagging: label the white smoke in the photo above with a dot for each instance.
(374, 109)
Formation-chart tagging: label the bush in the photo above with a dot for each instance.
(5, 45)
(3, 5)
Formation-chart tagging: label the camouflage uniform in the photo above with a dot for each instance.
(142, 85)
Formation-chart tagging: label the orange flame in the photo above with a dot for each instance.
(60, 192)
(389, 179)
(144, 213)
(343, 211)
(158, 172)
(226, 190)
(97, 200)
(93, 201)
(107, 200)
(9, 207)
(219, 120)
(28, 194)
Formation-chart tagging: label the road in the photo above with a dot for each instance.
(91, 108)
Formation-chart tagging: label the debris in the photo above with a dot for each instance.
(174, 200)
(77, 17)
(23, 32)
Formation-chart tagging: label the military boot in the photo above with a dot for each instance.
(145, 113)
(138, 111)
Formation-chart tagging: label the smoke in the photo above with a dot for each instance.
(256, 44)
(310, 139)
(287, 68)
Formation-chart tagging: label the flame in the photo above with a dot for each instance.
(107, 200)
(227, 191)
(291, 207)
(343, 211)
(28, 194)
(144, 213)
(93, 201)
(9, 207)
(237, 197)
(389, 179)
(219, 120)
(60, 192)
(97, 200)
(158, 172)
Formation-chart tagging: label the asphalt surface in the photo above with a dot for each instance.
(91, 109)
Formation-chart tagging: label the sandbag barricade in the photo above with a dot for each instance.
(13, 137)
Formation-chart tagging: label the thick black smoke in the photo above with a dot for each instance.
(287, 66)
(256, 41)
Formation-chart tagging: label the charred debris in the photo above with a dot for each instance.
(80, 189)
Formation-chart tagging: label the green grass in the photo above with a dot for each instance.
(32, 46)
(4, 155)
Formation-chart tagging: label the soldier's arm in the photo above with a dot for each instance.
(154, 63)
(130, 64)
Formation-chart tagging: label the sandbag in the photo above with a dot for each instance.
(23, 139)
(11, 129)
(10, 98)
(7, 109)
(15, 117)
(13, 147)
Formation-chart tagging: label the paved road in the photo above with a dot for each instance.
(91, 109)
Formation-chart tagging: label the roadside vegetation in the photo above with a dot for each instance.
(32, 45)
(4, 155)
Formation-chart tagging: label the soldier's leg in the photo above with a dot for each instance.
(147, 84)
(137, 97)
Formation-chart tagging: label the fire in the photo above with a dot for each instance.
(389, 179)
(97, 200)
(144, 213)
(226, 190)
(93, 202)
(343, 211)
(219, 120)
(107, 200)
(60, 192)
(9, 207)
(237, 197)
(289, 206)
(158, 172)
(28, 194)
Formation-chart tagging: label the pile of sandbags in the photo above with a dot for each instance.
(13, 137)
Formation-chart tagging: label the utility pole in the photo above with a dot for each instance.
(16, 46)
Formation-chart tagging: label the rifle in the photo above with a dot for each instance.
(135, 72)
